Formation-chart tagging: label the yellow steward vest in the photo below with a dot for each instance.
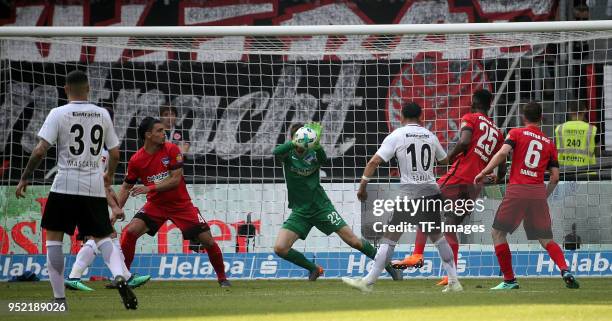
(575, 142)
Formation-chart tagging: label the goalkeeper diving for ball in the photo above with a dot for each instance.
(302, 158)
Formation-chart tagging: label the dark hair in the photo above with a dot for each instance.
(481, 99)
(76, 77)
(294, 128)
(532, 111)
(411, 110)
(146, 125)
(165, 108)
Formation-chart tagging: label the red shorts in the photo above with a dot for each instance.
(451, 180)
(534, 214)
(459, 191)
(188, 219)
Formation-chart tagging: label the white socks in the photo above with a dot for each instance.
(55, 266)
(112, 256)
(126, 272)
(383, 256)
(448, 262)
(84, 258)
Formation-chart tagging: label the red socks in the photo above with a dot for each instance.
(504, 257)
(419, 242)
(216, 259)
(128, 246)
(556, 254)
(421, 239)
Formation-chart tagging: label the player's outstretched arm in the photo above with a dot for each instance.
(113, 160)
(281, 151)
(553, 181)
(113, 203)
(501, 172)
(321, 155)
(443, 161)
(461, 146)
(369, 170)
(171, 182)
(320, 152)
(124, 194)
(36, 157)
(499, 158)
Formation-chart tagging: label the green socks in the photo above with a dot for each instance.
(299, 259)
(367, 249)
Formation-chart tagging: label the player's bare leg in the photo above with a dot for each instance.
(215, 256)
(504, 257)
(363, 246)
(448, 262)
(556, 254)
(283, 248)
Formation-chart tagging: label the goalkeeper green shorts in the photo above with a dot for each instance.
(327, 220)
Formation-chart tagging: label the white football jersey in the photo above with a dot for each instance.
(80, 130)
(416, 150)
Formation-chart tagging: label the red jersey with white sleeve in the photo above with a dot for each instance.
(486, 141)
(153, 168)
(533, 154)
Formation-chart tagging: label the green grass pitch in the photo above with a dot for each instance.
(538, 299)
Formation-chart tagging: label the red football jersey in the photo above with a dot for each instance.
(533, 153)
(486, 141)
(153, 168)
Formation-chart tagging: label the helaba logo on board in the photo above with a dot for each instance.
(9, 266)
(200, 267)
(593, 262)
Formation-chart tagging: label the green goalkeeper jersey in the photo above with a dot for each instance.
(302, 177)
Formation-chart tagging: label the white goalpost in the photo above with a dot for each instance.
(238, 89)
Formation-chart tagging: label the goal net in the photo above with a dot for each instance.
(237, 92)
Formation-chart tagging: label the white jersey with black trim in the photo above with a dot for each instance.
(80, 130)
(416, 150)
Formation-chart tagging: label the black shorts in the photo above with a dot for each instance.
(426, 218)
(64, 212)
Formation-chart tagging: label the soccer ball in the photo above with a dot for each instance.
(305, 138)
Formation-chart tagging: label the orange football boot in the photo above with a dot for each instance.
(414, 260)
